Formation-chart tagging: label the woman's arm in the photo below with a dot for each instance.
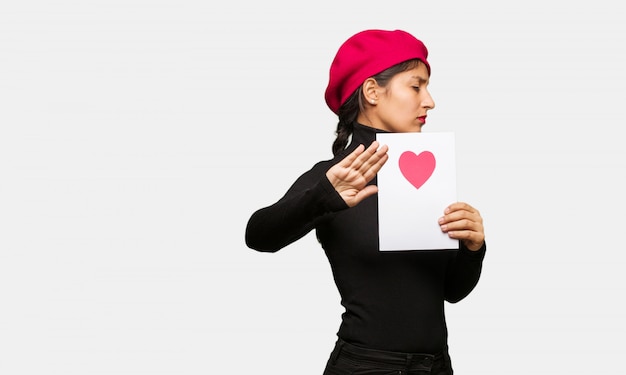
(463, 273)
(320, 191)
(463, 222)
(311, 197)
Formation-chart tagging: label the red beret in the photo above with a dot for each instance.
(366, 54)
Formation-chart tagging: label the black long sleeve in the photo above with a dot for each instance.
(295, 214)
(463, 273)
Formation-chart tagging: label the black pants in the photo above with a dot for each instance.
(348, 359)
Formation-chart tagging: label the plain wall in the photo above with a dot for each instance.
(137, 137)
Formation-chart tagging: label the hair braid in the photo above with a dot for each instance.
(348, 114)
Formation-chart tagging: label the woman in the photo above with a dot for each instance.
(394, 319)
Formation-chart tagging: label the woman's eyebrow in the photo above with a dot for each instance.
(420, 79)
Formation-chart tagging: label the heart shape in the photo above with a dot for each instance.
(417, 169)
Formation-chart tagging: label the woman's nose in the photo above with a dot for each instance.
(428, 101)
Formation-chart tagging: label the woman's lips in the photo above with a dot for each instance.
(422, 119)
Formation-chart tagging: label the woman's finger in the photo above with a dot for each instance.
(371, 159)
(350, 159)
(366, 155)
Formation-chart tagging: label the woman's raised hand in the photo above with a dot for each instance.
(351, 175)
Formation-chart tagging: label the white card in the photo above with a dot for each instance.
(415, 186)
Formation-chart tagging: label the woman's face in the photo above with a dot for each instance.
(403, 104)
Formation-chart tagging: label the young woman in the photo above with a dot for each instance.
(394, 319)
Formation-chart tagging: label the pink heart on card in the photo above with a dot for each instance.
(417, 169)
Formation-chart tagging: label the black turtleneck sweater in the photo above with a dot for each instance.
(394, 300)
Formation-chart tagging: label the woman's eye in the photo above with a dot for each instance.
(416, 88)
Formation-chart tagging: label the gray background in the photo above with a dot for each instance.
(137, 137)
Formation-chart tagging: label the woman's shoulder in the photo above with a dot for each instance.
(319, 168)
(324, 165)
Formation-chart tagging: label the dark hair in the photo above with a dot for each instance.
(349, 111)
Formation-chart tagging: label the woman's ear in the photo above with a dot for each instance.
(370, 91)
